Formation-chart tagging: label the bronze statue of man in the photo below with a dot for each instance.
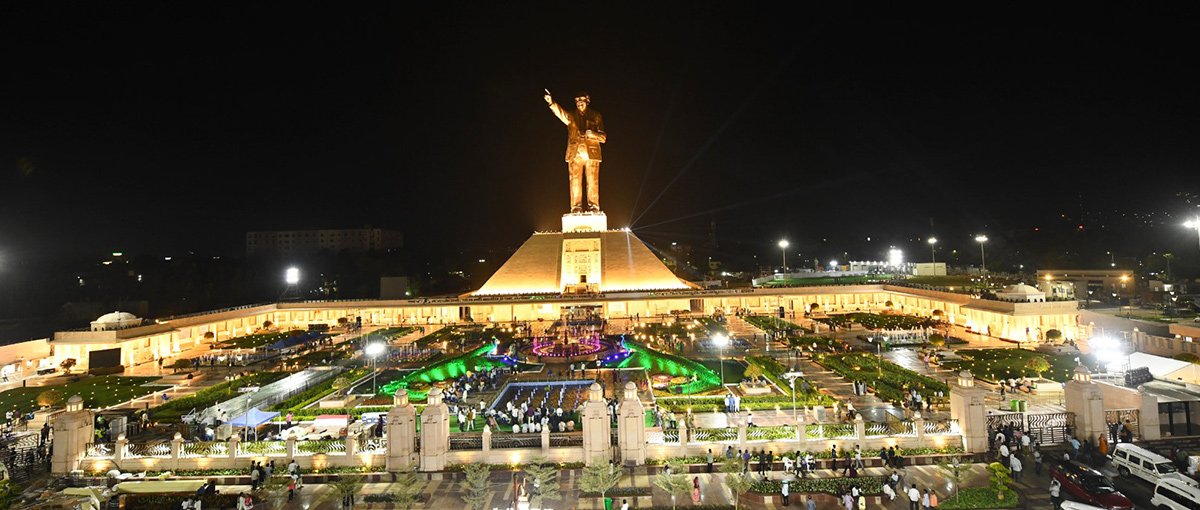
(585, 133)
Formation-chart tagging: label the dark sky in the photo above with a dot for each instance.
(167, 127)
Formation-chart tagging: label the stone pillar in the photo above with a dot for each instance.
(860, 428)
(73, 430)
(546, 442)
(435, 432)
(1086, 400)
(351, 444)
(919, 428)
(597, 427)
(631, 428)
(802, 432)
(119, 449)
(968, 407)
(401, 432)
(1148, 417)
(290, 447)
(487, 443)
(233, 448)
(741, 426)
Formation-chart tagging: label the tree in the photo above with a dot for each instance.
(888, 303)
(1169, 257)
(937, 340)
(342, 321)
(752, 372)
(812, 307)
(476, 486)
(267, 324)
(49, 398)
(1188, 357)
(10, 494)
(673, 481)
(1053, 335)
(182, 363)
(342, 488)
(600, 477)
(956, 470)
(274, 489)
(341, 383)
(1038, 364)
(408, 487)
(735, 480)
(545, 481)
(999, 478)
(937, 315)
(67, 364)
(209, 336)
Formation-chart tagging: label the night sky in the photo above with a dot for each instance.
(167, 127)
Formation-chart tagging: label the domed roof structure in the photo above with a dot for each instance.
(1021, 292)
(115, 320)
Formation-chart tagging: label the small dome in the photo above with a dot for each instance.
(75, 399)
(1021, 288)
(116, 318)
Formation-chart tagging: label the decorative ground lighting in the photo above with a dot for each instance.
(374, 350)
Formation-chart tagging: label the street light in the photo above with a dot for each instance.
(932, 254)
(374, 350)
(721, 340)
(982, 256)
(292, 276)
(1194, 223)
(1112, 259)
(783, 248)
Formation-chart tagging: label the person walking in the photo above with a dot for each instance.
(1037, 462)
(914, 498)
(1056, 494)
(784, 491)
(696, 490)
(858, 462)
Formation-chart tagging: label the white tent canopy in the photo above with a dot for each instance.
(1160, 367)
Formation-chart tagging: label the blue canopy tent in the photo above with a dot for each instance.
(253, 418)
(292, 341)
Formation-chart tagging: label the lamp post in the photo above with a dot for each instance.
(721, 341)
(374, 350)
(1112, 259)
(1194, 223)
(932, 252)
(783, 249)
(982, 256)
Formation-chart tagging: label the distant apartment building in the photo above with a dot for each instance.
(307, 242)
(1102, 284)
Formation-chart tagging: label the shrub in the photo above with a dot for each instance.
(67, 364)
(50, 398)
(1054, 334)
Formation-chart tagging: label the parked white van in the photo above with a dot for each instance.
(1145, 464)
(1172, 494)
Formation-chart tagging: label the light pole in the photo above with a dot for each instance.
(1112, 259)
(783, 248)
(721, 341)
(932, 253)
(982, 256)
(374, 350)
(1194, 223)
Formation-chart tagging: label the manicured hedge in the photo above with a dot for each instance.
(979, 497)
(888, 379)
(867, 484)
(173, 410)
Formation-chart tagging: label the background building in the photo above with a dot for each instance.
(307, 242)
(1104, 284)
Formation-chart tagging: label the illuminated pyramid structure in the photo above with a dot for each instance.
(585, 258)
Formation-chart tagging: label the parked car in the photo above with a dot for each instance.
(1089, 486)
(1145, 464)
(1171, 494)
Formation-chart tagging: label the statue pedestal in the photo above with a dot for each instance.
(585, 222)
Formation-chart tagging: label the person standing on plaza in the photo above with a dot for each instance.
(933, 500)
(695, 490)
(784, 491)
(709, 460)
(858, 462)
(1037, 462)
(810, 503)
(925, 500)
(914, 498)
(1016, 467)
(1056, 494)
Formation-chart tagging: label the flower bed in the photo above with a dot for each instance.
(867, 484)
(889, 380)
(752, 403)
(877, 321)
(174, 409)
(168, 502)
(999, 364)
(315, 393)
(619, 492)
(980, 497)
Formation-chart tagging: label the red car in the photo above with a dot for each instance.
(1089, 486)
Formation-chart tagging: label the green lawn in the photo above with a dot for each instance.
(890, 381)
(734, 371)
(254, 341)
(97, 392)
(877, 321)
(995, 364)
